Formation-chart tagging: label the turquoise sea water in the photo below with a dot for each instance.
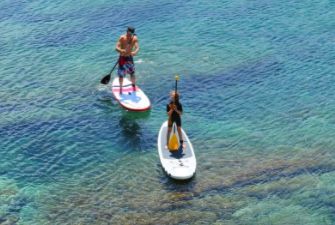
(256, 79)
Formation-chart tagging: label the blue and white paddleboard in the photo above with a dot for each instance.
(130, 99)
(181, 164)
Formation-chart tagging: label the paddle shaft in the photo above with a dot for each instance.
(114, 67)
(175, 98)
(172, 140)
(106, 78)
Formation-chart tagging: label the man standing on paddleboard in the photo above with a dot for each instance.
(127, 46)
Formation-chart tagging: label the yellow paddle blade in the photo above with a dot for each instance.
(173, 143)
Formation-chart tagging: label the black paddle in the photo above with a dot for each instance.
(175, 95)
(107, 78)
(173, 142)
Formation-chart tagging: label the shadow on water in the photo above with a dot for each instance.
(173, 185)
(134, 135)
(130, 130)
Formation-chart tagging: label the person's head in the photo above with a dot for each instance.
(130, 31)
(174, 96)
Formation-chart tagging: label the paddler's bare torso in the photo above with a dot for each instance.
(127, 45)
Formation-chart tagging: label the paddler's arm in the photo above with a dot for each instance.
(136, 47)
(180, 112)
(118, 47)
(169, 110)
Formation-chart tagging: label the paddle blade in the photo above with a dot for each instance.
(173, 143)
(106, 79)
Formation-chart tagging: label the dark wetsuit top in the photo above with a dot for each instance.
(175, 117)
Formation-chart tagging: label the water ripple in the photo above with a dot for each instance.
(256, 86)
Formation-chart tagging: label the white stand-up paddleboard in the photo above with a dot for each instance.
(130, 99)
(180, 164)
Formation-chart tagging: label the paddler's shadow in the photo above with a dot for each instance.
(178, 154)
(173, 185)
(131, 131)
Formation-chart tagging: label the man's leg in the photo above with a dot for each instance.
(133, 80)
(120, 73)
(120, 83)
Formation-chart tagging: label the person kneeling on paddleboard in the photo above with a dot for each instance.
(127, 46)
(174, 110)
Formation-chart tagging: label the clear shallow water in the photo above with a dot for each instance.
(257, 87)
